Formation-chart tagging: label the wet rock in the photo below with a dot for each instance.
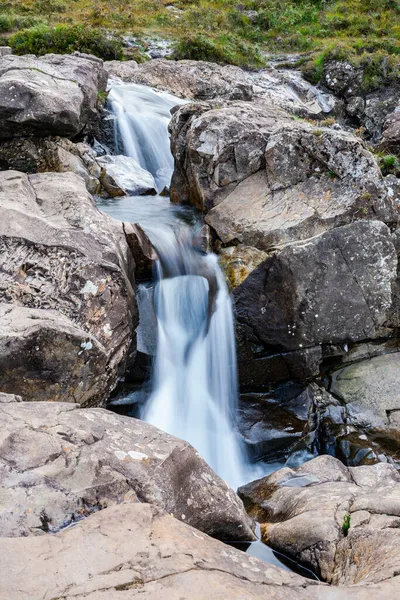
(123, 176)
(342, 522)
(194, 79)
(336, 287)
(60, 463)
(272, 424)
(68, 306)
(50, 95)
(370, 390)
(343, 78)
(137, 550)
(58, 155)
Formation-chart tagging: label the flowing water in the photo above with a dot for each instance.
(194, 382)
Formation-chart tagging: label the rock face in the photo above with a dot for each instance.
(57, 155)
(137, 550)
(51, 95)
(370, 390)
(68, 306)
(303, 220)
(342, 522)
(60, 463)
(188, 78)
(215, 148)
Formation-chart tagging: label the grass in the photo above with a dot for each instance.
(365, 32)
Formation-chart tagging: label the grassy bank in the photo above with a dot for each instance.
(366, 32)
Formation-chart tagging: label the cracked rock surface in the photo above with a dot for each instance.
(342, 522)
(67, 305)
(59, 463)
(50, 95)
(137, 550)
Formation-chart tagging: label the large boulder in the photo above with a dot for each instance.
(122, 175)
(217, 146)
(334, 288)
(60, 463)
(68, 305)
(342, 522)
(136, 550)
(50, 95)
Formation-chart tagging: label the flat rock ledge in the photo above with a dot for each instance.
(60, 463)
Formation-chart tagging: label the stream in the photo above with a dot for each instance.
(186, 322)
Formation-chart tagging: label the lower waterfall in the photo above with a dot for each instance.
(193, 391)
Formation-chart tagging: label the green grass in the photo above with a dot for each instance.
(365, 32)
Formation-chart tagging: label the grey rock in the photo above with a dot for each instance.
(355, 106)
(194, 79)
(60, 463)
(217, 147)
(6, 398)
(68, 305)
(124, 70)
(136, 550)
(5, 50)
(51, 95)
(390, 141)
(59, 155)
(336, 287)
(343, 78)
(370, 390)
(304, 512)
(315, 179)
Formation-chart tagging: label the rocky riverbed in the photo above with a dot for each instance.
(305, 223)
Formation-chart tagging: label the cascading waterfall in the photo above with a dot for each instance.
(194, 383)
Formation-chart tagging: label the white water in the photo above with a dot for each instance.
(194, 382)
(142, 117)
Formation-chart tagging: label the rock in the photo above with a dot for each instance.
(238, 262)
(124, 70)
(355, 106)
(343, 78)
(124, 176)
(315, 179)
(68, 307)
(390, 141)
(57, 154)
(217, 147)
(194, 79)
(137, 550)
(6, 398)
(370, 390)
(342, 522)
(5, 50)
(334, 288)
(378, 107)
(50, 95)
(60, 463)
(272, 425)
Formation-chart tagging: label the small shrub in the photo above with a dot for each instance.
(64, 39)
(225, 49)
(389, 164)
(346, 525)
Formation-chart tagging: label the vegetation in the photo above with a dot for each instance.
(389, 164)
(365, 32)
(64, 39)
(346, 525)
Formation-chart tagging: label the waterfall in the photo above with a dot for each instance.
(194, 382)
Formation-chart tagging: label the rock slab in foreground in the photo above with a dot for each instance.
(50, 95)
(342, 522)
(136, 550)
(67, 306)
(59, 463)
